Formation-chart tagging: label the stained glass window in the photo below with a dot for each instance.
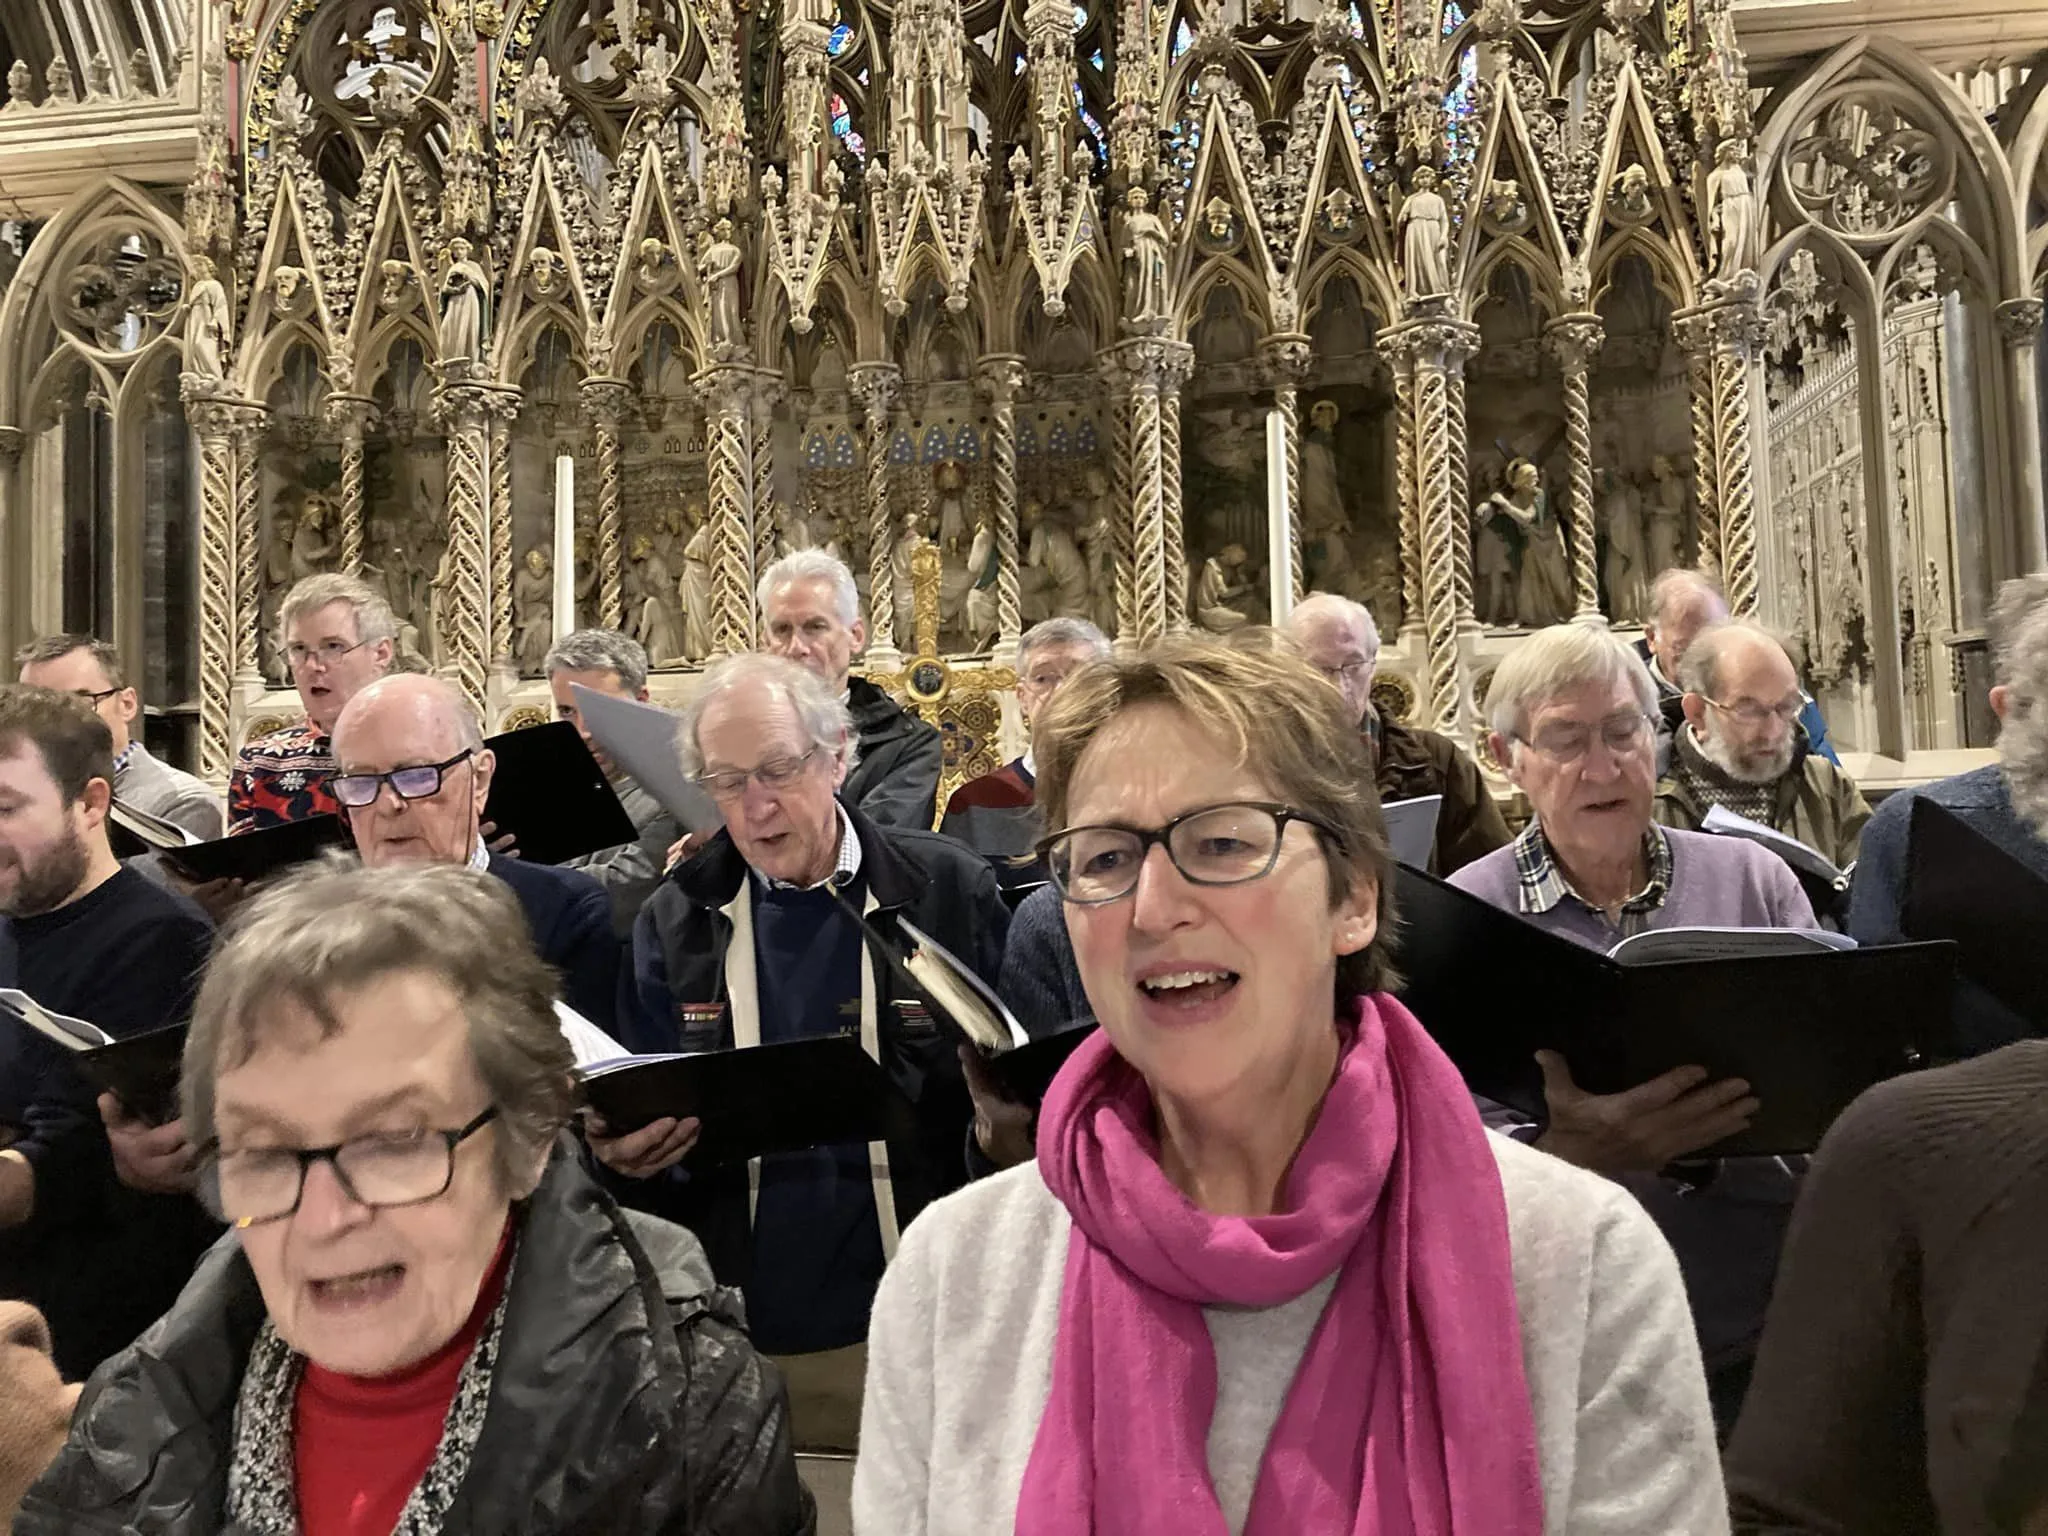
(1454, 16)
(1183, 38)
(1087, 117)
(1357, 21)
(1461, 106)
(1080, 15)
(840, 40)
(1096, 59)
(842, 126)
(1021, 61)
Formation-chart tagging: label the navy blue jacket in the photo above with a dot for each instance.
(571, 919)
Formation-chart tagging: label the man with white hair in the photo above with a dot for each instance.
(2006, 803)
(810, 614)
(748, 944)
(1340, 640)
(1740, 747)
(997, 815)
(1573, 726)
(338, 636)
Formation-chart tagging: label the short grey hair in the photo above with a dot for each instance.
(1700, 671)
(56, 647)
(827, 722)
(599, 650)
(374, 618)
(2019, 636)
(1329, 605)
(811, 565)
(1671, 587)
(335, 927)
(1556, 660)
(1061, 631)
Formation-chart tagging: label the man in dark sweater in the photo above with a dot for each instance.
(745, 945)
(810, 614)
(83, 937)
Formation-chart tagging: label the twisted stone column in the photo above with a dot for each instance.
(1175, 550)
(351, 415)
(1286, 359)
(877, 386)
(1694, 334)
(1002, 378)
(2019, 323)
(605, 402)
(503, 407)
(725, 389)
(248, 418)
(1457, 446)
(1155, 368)
(1406, 495)
(214, 422)
(1738, 330)
(1124, 525)
(1435, 347)
(1574, 340)
(463, 411)
(761, 471)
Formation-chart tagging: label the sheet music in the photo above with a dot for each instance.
(642, 740)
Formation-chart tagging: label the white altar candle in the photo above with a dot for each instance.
(1279, 521)
(565, 544)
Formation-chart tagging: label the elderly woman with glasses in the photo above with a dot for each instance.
(427, 1319)
(1269, 1273)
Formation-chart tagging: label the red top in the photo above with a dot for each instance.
(361, 1444)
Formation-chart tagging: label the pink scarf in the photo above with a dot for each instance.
(1409, 1413)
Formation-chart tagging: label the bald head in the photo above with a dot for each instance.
(1682, 603)
(1743, 701)
(413, 721)
(1340, 640)
(432, 713)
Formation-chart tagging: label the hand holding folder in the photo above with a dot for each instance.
(141, 1070)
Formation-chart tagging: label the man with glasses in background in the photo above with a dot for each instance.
(748, 944)
(1572, 712)
(1741, 747)
(338, 637)
(91, 669)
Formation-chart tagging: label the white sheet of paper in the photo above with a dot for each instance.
(590, 1043)
(75, 1034)
(642, 740)
(1411, 828)
(1655, 944)
(1800, 856)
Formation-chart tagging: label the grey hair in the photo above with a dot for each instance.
(809, 565)
(1555, 660)
(1700, 671)
(56, 647)
(333, 928)
(1061, 631)
(1671, 586)
(2019, 635)
(826, 721)
(599, 650)
(1331, 605)
(374, 618)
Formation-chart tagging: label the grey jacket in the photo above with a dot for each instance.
(155, 788)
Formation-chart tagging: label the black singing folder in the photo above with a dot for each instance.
(549, 793)
(254, 856)
(140, 1070)
(1809, 1031)
(1962, 887)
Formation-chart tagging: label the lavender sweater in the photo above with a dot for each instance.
(1728, 1234)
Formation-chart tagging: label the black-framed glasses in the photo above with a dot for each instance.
(255, 1185)
(421, 781)
(327, 652)
(776, 773)
(92, 698)
(1226, 844)
(1566, 741)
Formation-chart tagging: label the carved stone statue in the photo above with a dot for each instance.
(1493, 567)
(290, 289)
(902, 588)
(1218, 588)
(1054, 552)
(209, 323)
(1097, 539)
(1731, 208)
(1621, 516)
(1632, 193)
(533, 609)
(1543, 589)
(1664, 535)
(657, 624)
(698, 626)
(983, 565)
(1145, 298)
(311, 547)
(721, 276)
(1425, 228)
(462, 308)
(440, 597)
(1324, 519)
(949, 492)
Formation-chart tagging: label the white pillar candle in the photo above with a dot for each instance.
(565, 545)
(1279, 521)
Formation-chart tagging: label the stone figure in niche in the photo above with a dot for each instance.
(1097, 539)
(1664, 528)
(1425, 227)
(209, 324)
(533, 611)
(462, 308)
(1493, 565)
(1731, 208)
(312, 545)
(289, 290)
(440, 602)
(658, 621)
(949, 491)
(394, 283)
(902, 583)
(1145, 245)
(1222, 584)
(1621, 519)
(696, 590)
(1534, 543)
(720, 268)
(984, 566)
(1325, 521)
(1632, 193)
(1053, 551)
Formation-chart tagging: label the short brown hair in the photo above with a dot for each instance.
(1284, 723)
(57, 647)
(74, 742)
(335, 927)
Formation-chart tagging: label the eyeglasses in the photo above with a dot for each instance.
(1757, 714)
(1566, 743)
(93, 698)
(1212, 845)
(776, 773)
(422, 781)
(1349, 670)
(263, 1184)
(328, 652)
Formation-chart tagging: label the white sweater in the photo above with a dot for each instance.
(960, 1363)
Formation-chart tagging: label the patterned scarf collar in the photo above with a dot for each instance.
(262, 1499)
(1709, 786)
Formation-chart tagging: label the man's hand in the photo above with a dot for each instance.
(153, 1158)
(217, 898)
(505, 847)
(1642, 1130)
(643, 1153)
(1002, 1127)
(683, 849)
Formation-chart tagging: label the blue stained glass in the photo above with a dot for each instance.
(816, 454)
(1462, 107)
(1096, 59)
(842, 126)
(1454, 17)
(862, 77)
(1080, 15)
(1357, 21)
(1183, 38)
(842, 451)
(1020, 65)
(840, 40)
(1081, 106)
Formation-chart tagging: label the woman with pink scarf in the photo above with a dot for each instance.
(1269, 1275)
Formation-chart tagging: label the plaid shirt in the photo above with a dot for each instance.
(1543, 885)
(282, 777)
(842, 872)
